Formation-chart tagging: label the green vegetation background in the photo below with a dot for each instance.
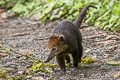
(106, 16)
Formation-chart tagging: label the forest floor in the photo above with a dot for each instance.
(31, 37)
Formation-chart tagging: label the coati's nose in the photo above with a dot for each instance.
(50, 57)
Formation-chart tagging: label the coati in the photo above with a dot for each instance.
(66, 38)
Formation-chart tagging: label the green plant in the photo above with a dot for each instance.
(106, 16)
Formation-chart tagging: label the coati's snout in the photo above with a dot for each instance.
(56, 46)
(52, 54)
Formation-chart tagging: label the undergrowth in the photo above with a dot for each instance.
(106, 16)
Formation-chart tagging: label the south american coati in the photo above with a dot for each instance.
(66, 38)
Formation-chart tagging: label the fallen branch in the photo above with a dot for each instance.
(31, 22)
(112, 37)
(16, 52)
(42, 38)
(94, 36)
(84, 26)
(108, 42)
(21, 34)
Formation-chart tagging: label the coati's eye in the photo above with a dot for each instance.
(54, 49)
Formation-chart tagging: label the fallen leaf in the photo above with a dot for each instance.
(3, 55)
(88, 50)
(8, 69)
(88, 60)
(2, 10)
(118, 32)
(2, 19)
(4, 15)
(117, 75)
(38, 78)
(114, 63)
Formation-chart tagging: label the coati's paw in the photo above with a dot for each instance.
(75, 65)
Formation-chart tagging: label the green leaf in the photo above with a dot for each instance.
(2, 2)
(50, 0)
(19, 8)
(88, 60)
(114, 63)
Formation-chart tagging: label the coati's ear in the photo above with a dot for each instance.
(61, 37)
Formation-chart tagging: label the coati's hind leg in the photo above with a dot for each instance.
(75, 56)
(67, 57)
(80, 52)
(61, 62)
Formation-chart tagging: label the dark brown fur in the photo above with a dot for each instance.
(66, 38)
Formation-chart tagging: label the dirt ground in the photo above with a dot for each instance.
(23, 35)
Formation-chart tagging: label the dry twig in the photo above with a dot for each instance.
(94, 36)
(16, 52)
(21, 34)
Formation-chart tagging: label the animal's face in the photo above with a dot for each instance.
(56, 45)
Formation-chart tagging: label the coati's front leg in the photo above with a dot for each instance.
(61, 62)
(67, 57)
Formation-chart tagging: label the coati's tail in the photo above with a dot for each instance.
(82, 14)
